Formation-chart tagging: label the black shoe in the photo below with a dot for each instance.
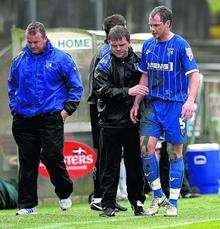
(119, 207)
(138, 210)
(190, 195)
(90, 197)
(108, 212)
(96, 206)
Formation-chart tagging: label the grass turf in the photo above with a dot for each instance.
(198, 213)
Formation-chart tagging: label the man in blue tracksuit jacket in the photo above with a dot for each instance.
(44, 88)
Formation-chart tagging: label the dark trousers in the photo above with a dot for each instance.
(112, 140)
(40, 137)
(95, 137)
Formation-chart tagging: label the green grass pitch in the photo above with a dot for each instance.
(198, 213)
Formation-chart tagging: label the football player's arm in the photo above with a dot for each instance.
(138, 98)
(188, 107)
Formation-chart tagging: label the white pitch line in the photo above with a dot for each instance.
(184, 224)
(124, 219)
(52, 226)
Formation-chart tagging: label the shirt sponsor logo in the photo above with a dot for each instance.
(161, 67)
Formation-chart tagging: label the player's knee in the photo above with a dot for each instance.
(143, 150)
(143, 145)
(147, 147)
(174, 155)
(150, 147)
(175, 151)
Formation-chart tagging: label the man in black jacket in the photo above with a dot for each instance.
(116, 79)
(95, 199)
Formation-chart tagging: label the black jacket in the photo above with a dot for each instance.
(102, 51)
(113, 77)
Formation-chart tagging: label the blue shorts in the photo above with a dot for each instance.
(163, 118)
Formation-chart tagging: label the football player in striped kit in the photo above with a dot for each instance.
(171, 74)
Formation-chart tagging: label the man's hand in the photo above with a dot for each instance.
(187, 110)
(138, 90)
(134, 112)
(64, 115)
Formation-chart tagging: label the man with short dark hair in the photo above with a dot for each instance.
(44, 88)
(171, 74)
(109, 22)
(116, 79)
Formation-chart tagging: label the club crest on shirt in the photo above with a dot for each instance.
(189, 53)
(147, 51)
(48, 64)
(170, 51)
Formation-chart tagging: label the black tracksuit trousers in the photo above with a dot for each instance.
(95, 137)
(40, 138)
(112, 140)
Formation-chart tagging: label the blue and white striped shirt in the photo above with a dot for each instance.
(167, 65)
